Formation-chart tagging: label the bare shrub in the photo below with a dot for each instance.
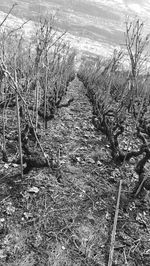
(120, 100)
(38, 72)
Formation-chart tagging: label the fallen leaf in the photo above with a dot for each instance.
(90, 160)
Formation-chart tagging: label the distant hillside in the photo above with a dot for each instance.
(93, 25)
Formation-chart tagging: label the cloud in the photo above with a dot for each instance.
(136, 8)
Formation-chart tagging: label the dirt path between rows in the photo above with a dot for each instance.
(73, 136)
(79, 151)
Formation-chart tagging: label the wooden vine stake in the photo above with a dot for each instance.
(19, 126)
(112, 244)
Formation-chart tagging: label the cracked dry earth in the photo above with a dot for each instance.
(63, 217)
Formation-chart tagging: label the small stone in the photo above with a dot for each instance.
(6, 165)
(132, 161)
(78, 159)
(33, 190)
(28, 215)
(15, 165)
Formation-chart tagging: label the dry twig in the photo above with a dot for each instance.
(15, 4)
(114, 228)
